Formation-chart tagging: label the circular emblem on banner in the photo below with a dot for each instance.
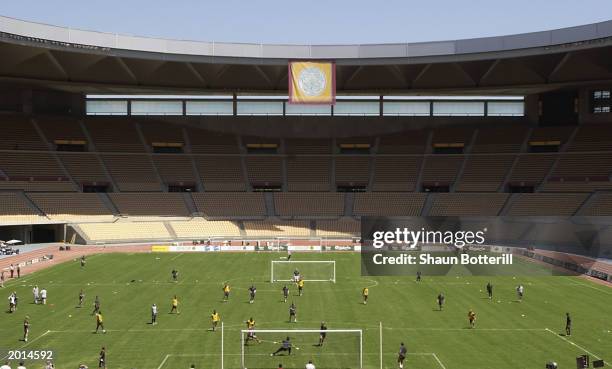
(311, 81)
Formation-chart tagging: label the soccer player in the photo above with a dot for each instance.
(568, 324)
(285, 347)
(310, 365)
(96, 305)
(490, 290)
(214, 319)
(252, 292)
(322, 334)
(175, 274)
(81, 298)
(2, 279)
(12, 305)
(82, 261)
(365, 293)
(5, 366)
(43, 296)
(288, 254)
(26, 328)
(21, 365)
(154, 314)
(36, 294)
(418, 279)
(401, 355)
(285, 293)
(296, 276)
(18, 271)
(99, 322)
(251, 331)
(102, 358)
(472, 318)
(520, 290)
(440, 300)
(300, 286)
(226, 292)
(12, 270)
(292, 313)
(175, 304)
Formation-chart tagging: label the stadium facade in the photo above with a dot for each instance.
(517, 125)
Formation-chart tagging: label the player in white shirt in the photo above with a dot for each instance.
(153, 314)
(43, 296)
(21, 366)
(519, 291)
(310, 365)
(35, 293)
(5, 366)
(11, 299)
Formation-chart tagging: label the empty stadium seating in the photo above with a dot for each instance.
(396, 173)
(14, 209)
(308, 173)
(72, 207)
(388, 203)
(235, 204)
(132, 173)
(338, 228)
(484, 173)
(309, 204)
(125, 231)
(467, 204)
(150, 204)
(199, 229)
(293, 228)
(546, 204)
(222, 173)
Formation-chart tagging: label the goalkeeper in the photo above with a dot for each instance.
(285, 347)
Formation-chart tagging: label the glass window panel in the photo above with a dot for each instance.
(209, 108)
(157, 107)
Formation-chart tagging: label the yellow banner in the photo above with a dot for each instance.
(312, 82)
(159, 248)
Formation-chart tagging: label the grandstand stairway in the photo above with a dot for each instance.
(429, 200)
(108, 203)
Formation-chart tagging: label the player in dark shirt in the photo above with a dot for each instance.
(96, 305)
(440, 300)
(401, 355)
(26, 328)
(285, 292)
(568, 324)
(292, 313)
(83, 261)
(490, 290)
(252, 292)
(102, 358)
(322, 334)
(285, 347)
(175, 275)
(81, 298)
(418, 279)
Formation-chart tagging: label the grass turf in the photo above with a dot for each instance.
(508, 334)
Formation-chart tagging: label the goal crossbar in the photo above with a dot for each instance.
(293, 331)
(295, 262)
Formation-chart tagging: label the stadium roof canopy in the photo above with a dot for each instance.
(73, 60)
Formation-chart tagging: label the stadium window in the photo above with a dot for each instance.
(106, 107)
(363, 108)
(262, 148)
(209, 108)
(303, 109)
(71, 145)
(351, 188)
(448, 148)
(91, 188)
(436, 187)
(167, 147)
(520, 188)
(181, 188)
(266, 188)
(601, 94)
(259, 108)
(157, 107)
(544, 146)
(355, 148)
(459, 108)
(505, 108)
(406, 108)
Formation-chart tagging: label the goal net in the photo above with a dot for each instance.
(341, 349)
(310, 270)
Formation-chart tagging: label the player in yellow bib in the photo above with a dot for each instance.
(300, 286)
(215, 318)
(226, 292)
(175, 304)
(365, 294)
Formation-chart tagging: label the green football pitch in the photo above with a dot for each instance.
(508, 334)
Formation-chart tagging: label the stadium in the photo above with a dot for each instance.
(137, 171)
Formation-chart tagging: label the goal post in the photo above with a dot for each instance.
(342, 348)
(311, 270)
